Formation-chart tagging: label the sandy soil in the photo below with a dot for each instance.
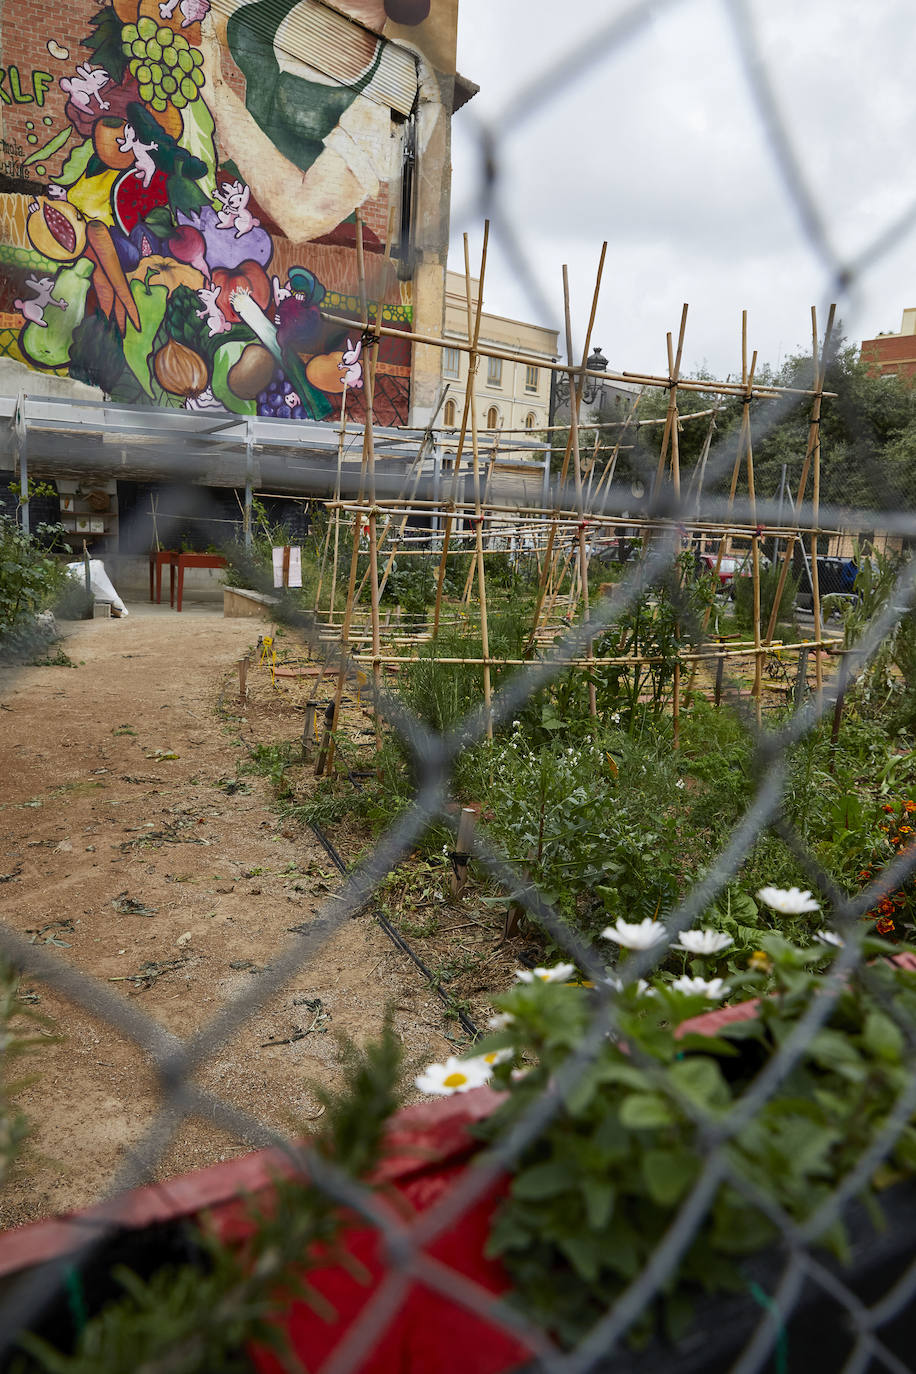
(94, 819)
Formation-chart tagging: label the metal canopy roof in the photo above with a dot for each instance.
(61, 437)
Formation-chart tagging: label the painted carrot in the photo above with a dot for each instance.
(106, 255)
(102, 286)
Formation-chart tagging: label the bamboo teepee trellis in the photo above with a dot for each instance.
(557, 537)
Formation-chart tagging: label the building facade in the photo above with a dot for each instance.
(893, 355)
(512, 397)
(181, 188)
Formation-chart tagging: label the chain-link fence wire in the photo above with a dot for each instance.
(434, 755)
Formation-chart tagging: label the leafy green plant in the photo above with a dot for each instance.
(594, 1195)
(769, 586)
(888, 684)
(30, 580)
(197, 1318)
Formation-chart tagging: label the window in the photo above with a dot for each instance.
(531, 379)
(492, 418)
(449, 414)
(451, 363)
(530, 420)
(494, 372)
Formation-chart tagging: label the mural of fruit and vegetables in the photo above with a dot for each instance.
(178, 188)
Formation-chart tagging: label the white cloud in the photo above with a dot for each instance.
(659, 147)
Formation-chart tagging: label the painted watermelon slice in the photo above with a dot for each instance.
(133, 201)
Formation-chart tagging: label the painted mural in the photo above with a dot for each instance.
(177, 223)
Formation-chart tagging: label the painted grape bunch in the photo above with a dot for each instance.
(165, 65)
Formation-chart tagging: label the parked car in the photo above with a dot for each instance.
(730, 566)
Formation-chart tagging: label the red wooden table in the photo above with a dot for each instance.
(156, 559)
(180, 561)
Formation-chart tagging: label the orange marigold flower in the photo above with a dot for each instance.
(906, 830)
(885, 926)
(865, 873)
(887, 808)
(909, 806)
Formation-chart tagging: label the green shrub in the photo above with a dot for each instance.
(769, 585)
(30, 581)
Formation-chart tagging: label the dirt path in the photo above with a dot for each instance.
(96, 818)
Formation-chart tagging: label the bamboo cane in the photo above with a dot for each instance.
(575, 397)
(478, 515)
(471, 382)
(813, 431)
(326, 760)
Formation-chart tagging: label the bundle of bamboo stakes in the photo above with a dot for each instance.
(557, 541)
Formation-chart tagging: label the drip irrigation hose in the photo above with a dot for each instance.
(395, 936)
(398, 939)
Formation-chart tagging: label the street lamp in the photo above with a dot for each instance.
(591, 390)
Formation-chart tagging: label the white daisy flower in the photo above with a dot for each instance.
(495, 1057)
(703, 941)
(454, 1076)
(645, 989)
(830, 937)
(636, 935)
(502, 1020)
(560, 973)
(714, 989)
(789, 901)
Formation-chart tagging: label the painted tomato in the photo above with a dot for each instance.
(248, 276)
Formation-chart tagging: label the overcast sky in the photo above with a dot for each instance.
(658, 146)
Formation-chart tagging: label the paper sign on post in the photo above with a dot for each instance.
(287, 563)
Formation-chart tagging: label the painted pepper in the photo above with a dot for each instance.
(150, 301)
(48, 345)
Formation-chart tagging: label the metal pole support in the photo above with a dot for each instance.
(249, 465)
(801, 680)
(22, 456)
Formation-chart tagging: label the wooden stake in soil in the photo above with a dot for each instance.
(243, 679)
(327, 535)
(308, 732)
(462, 855)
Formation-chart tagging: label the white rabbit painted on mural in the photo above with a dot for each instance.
(351, 366)
(87, 83)
(192, 11)
(281, 293)
(233, 198)
(144, 166)
(216, 320)
(34, 310)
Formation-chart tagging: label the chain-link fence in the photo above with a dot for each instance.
(665, 514)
